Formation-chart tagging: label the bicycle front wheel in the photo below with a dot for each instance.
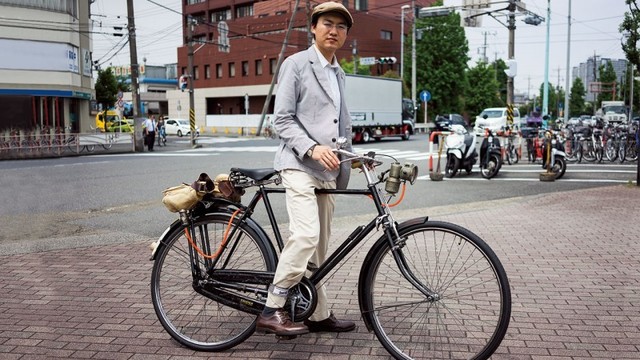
(468, 312)
(192, 319)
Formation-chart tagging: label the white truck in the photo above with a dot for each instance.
(377, 108)
(613, 112)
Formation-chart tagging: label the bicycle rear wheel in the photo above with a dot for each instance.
(469, 315)
(190, 318)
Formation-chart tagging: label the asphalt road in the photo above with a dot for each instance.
(94, 196)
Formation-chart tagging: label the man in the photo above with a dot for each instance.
(150, 131)
(310, 115)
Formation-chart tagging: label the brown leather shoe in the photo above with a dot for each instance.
(279, 324)
(330, 324)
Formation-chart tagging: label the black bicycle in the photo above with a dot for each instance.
(427, 289)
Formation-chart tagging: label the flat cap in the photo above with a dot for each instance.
(331, 6)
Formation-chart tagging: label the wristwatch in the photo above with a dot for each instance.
(310, 151)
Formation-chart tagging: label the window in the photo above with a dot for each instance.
(232, 69)
(361, 5)
(218, 71)
(245, 68)
(207, 72)
(345, 3)
(259, 67)
(281, 12)
(244, 11)
(191, 2)
(272, 66)
(385, 34)
(200, 39)
(221, 15)
(196, 73)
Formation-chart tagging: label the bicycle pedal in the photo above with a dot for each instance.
(286, 337)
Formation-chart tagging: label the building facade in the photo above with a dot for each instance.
(237, 44)
(45, 69)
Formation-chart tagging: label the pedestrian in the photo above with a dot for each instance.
(310, 115)
(162, 138)
(150, 126)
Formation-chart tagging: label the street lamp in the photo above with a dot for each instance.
(402, 9)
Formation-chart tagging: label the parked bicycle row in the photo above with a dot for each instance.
(600, 141)
(18, 143)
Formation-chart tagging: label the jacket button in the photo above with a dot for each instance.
(335, 121)
(333, 140)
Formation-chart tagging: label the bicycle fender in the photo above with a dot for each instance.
(368, 260)
(156, 244)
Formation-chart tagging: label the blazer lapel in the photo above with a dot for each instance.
(318, 71)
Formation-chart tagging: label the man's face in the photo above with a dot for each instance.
(330, 32)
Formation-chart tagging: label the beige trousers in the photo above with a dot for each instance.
(310, 227)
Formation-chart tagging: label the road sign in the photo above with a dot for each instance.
(367, 60)
(120, 103)
(425, 95)
(120, 95)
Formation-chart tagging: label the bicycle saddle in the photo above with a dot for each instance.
(256, 174)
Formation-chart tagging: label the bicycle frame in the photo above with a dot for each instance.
(360, 233)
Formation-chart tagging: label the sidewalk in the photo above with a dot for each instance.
(573, 260)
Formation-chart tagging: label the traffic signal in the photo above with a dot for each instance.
(387, 60)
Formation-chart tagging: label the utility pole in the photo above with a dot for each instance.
(190, 75)
(354, 51)
(545, 93)
(135, 89)
(512, 32)
(413, 60)
(567, 80)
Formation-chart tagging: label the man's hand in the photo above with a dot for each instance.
(325, 156)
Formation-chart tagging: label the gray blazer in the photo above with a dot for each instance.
(305, 116)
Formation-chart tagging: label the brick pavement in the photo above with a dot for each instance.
(572, 259)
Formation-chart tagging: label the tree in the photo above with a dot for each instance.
(630, 27)
(106, 88)
(483, 88)
(347, 66)
(500, 66)
(576, 98)
(608, 79)
(551, 100)
(441, 62)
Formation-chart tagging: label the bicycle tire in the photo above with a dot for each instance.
(611, 150)
(192, 319)
(462, 269)
(588, 152)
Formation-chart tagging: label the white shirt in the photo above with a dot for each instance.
(331, 71)
(149, 125)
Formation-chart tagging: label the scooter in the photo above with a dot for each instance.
(461, 151)
(490, 155)
(558, 165)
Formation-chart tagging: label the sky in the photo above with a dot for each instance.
(594, 30)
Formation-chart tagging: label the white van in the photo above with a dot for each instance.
(496, 118)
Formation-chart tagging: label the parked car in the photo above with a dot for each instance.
(119, 126)
(444, 122)
(494, 119)
(179, 127)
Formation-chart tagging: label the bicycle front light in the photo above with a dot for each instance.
(398, 173)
